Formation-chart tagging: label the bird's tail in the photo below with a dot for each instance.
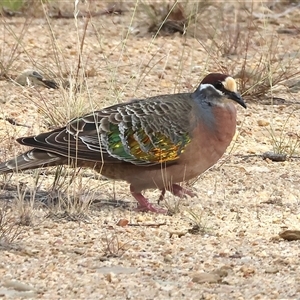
(32, 159)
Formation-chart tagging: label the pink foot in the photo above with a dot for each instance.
(144, 204)
(176, 190)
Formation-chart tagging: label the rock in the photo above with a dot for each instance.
(274, 156)
(290, 235)
(247, 271)
(204, 277)
(17, 285)
(123, 222)
(271, 270)
(168, 258)
(263, 123)
(79, 251)
(222, 272)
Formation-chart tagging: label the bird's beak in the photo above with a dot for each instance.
(236, 97)
(35, 79)
(37, 76)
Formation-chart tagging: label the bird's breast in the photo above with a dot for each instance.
(210, 139)
(223, 123)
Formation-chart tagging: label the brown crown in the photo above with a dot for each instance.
(213, 78)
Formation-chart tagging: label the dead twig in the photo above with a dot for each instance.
(148, 225)
(14, 122)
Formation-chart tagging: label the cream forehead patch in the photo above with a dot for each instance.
(230, 84)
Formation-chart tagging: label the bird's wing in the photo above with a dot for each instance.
(140, 132)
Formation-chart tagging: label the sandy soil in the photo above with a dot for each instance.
(242, 203)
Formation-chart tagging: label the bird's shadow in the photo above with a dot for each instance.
(51, 199)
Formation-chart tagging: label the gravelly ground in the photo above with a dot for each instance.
(243, 202)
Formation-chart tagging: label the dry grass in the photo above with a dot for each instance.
(112, 245)
(283, 140)
(227, 41)
(10, 227)
(232, 45)
(70, 196)
(197, 221)
(12, 223)
(167, 17)
(10, 55)
(33, 8)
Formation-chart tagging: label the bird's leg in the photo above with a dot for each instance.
(179, 191)
(162, 195)
(176, 190)
(144, 204)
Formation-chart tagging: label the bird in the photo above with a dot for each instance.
(153, 143)
(30, 77)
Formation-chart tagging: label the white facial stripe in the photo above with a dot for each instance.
(207, 85)
(204, 86)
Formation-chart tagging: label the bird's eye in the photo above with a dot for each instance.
(219, 85)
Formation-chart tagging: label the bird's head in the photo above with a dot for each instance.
(29, 77)
(216, 84)
(33, 74)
